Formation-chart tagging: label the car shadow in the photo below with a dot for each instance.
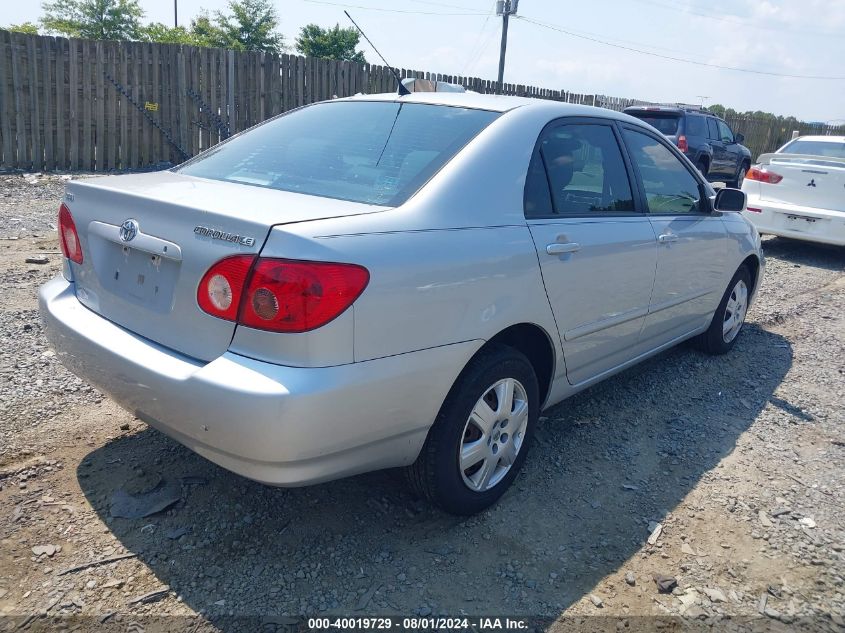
(605, 463)
(799, 252)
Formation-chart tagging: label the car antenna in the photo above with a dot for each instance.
(402, 89)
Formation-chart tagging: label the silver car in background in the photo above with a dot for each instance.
(388, 281)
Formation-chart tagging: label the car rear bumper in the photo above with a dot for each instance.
(795, 221)
(280, 425)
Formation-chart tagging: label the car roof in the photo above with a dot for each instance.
(823, 139)
(495, 103)
(648, 108)
(679, 110)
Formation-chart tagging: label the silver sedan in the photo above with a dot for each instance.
(395, 281)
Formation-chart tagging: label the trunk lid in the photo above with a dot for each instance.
(182, 225)
(809, 181)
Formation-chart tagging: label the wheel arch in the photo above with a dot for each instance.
(752, 263)
(533, 341)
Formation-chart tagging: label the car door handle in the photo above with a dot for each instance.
(559, 248)
(664, 238)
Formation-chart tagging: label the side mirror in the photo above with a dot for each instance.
(739, 138)
(732, 200)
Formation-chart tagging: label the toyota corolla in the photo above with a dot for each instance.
(395, 281)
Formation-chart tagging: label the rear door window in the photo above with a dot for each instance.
(669, 186)
(577, 169)
(725, 134)
(364, 151)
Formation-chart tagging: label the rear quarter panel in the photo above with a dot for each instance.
(454, 263)
(428, 287)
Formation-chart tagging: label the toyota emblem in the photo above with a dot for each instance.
(128, 230)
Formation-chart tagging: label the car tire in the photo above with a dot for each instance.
(703, 167)
(470, 458)
(729, 317)
(740, 176)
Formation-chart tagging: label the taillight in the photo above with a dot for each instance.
(280, 295)
(761, 174)
(754, 209)
(682, 143)
(221, 288)
(297, 296)
(68, 237)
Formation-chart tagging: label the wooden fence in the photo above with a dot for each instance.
(82, 105)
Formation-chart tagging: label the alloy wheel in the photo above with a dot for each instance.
(735, 311)
(493, 435)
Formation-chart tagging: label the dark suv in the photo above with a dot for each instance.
(704, 138)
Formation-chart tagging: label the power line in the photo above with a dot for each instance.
(484, 46)
(443, 4)
(597, 40)
(365, 8)
(477, 45)
(737, 20)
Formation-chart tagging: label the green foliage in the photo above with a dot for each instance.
(204, 30)
(94, 19)
(334, 43)
(758, 115)
(250, 26)
(30, 28)
(163, 34)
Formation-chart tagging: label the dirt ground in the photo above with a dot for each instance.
(739, 459)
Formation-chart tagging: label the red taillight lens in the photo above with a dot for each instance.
(221, 288)
(297, 296)
(763, 175)
(283, 295)
(682, 143)
(68, 237)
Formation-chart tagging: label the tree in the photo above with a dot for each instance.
(250, 27)
(203, 29)
(94, 19)
(163, 34)
(334, 43)
(29, 28)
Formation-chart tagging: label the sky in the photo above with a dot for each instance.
(553, 44)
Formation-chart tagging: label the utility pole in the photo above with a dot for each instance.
(505, 8)
(175, 13)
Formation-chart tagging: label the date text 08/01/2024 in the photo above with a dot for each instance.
(419, 623)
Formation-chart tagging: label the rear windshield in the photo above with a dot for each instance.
(665, 124)
(373, 152)
(816, 148)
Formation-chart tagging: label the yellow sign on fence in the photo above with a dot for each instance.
(152, 107)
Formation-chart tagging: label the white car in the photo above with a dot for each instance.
(799, 191)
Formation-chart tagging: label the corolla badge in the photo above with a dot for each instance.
(225, 236)
(128, 230)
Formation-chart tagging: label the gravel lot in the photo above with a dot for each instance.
(739, 459)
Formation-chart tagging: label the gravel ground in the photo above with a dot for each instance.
(725, 474)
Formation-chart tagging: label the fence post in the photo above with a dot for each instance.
(230, 90)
